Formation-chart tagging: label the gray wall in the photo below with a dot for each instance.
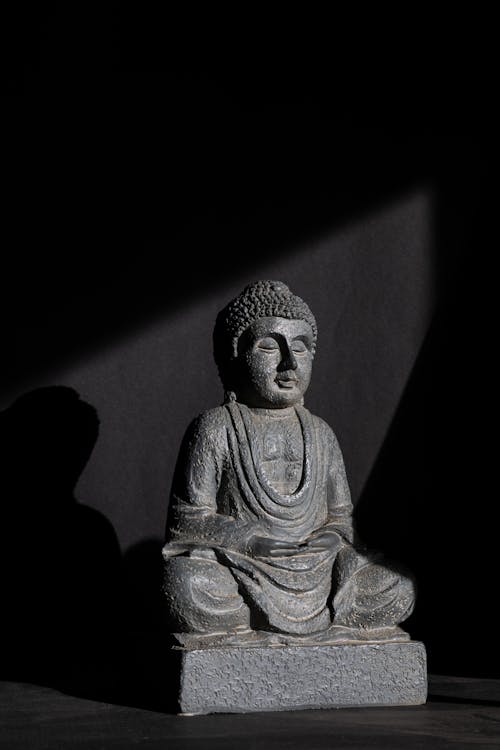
(151, 170)
(370, 284)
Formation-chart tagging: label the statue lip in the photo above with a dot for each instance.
(286, 381)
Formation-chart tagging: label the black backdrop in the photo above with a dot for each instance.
(156, 164)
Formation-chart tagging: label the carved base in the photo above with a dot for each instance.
(284, 678)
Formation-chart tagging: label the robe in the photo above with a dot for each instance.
(221, 498)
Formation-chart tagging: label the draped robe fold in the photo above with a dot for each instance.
(221, 497)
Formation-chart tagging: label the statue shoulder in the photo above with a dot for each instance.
(325, 432)
(208, 426)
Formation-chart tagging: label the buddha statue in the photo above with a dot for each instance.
(260, 544)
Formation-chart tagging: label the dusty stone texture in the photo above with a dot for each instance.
(260, 533)
(274, 602)
(235, 680)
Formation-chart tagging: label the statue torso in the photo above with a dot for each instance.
(279, 448)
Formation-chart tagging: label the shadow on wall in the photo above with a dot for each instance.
(152, 681)
(76, 616)
(430, 500)
(427, 503)
(61, 562)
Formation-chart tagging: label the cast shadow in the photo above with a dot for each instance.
(61, 563)
(433, 698)
(153, 667)
(76, 615)
(427, 503)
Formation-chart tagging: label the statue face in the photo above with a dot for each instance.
(274, 363)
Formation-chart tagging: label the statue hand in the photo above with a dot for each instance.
(326, 539)
(262, 546)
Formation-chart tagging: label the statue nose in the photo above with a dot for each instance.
(289, 362)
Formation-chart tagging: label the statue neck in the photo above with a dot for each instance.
(286, 413)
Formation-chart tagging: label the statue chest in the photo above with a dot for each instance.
(279, 450)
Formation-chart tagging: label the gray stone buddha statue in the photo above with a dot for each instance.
(260, 543)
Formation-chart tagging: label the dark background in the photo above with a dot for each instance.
(155, 163)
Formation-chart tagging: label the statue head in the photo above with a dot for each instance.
(264, 344)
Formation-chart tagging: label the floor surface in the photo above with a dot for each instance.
(460, 713)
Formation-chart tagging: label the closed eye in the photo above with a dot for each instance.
(268, 344)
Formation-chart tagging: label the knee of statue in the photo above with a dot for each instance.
(259, 534)
(370, 591)
(202, 595)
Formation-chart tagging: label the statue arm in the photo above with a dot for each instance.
(193, 519)
(339, 497)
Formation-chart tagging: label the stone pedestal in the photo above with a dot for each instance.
(241, 680)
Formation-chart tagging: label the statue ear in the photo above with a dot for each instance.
(301, 402)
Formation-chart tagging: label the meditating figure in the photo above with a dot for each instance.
(260, 541)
